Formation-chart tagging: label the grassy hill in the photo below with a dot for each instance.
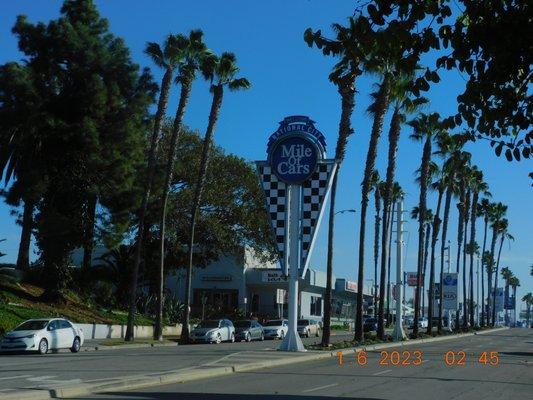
(21, 301)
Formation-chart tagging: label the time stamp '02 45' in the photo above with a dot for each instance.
(416, 357)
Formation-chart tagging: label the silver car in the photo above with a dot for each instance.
(276, 328)
(214, 331)
(308, 327)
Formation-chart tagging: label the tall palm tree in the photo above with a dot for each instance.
(506, 274)
(221, 72)
(467, 175)
(343, 75)
(528, 299)
(378, 187)
(502, 226)
(478, 186)
(166, 58)
(191, 52)
(425, 128)
(378, 109)
(397, 194)
(483, 210)
(496, 214)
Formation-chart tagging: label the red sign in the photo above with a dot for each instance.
(411, 278)
(351, 286)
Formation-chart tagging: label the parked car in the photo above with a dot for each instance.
(41, 335)
(422, 323)
(370, 324)
(248, 330)
(276, 328)
(308, 327)
(214, 331)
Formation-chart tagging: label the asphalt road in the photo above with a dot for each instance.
(19, 371)
(512, 378)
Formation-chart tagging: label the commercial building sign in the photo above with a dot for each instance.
(499, 300)
(411, 278)
(350, 286)
(449, 291)
(215, 278)
(274, 276)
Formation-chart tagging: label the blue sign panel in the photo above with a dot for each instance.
(294, 159)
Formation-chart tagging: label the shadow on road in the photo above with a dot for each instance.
(518, 353)
(217, 396)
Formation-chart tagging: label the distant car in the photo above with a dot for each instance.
(308, 327)
(276, 328)
(41, 335)
(248, 330)
(370, 324)
(214, 331)
(422, 323)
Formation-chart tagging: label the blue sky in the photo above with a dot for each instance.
(289, 78)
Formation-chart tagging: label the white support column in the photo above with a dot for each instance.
(292, 341)
(399, 333)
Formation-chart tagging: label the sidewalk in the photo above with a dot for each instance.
(239, 361)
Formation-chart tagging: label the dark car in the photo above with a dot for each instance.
(370, 324)
(248, 330)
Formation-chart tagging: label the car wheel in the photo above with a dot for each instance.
(43, 346)
(282, 336)
(262, 336)
(232, 338)
(76, 345)
(248, 337)
(218, 339)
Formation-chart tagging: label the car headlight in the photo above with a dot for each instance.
(210, 333)
(29, 336)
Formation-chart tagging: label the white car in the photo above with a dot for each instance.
(214, 331)
(276, 328)
(41, 335)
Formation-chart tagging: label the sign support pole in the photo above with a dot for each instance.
(292, 341)
(399, 333)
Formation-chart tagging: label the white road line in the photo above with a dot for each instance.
(15, 377)
(320, 388)
(382, 372)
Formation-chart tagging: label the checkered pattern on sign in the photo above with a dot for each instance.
(276, 199)
(314, 191)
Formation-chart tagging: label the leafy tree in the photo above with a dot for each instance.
(222, 73)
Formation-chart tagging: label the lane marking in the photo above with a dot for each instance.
(382, 372)
(15, 377)
(319, 388)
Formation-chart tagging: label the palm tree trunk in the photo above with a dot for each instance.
(424, 172)
(445, 218)
(389, 261)
(346, 89)
(426, 254)
(23, 258)
(394, 138)
(377, 204)
(434, 236)
(502, 238)
(152, 157)
(473, 217)
(326, 332)
(185, 93)
(483, 305)
(382, 104)
(88, 244)
(460, 231)
(490, 271)
(465, 210)
(218, 93)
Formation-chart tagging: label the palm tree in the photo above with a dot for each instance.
(514, 282)
(191, 52)
(221, 72)
(166, 58)
(425, 128)
(507, 274)
(378, 187)
(467, 175)
(496, 213)
(397, 194)
(343, 75)
(484, 211)
(502, 226)
(528, 299)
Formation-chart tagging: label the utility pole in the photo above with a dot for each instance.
(399, 333)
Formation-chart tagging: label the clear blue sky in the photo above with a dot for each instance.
(289, 78)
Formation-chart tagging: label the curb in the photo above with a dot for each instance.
(127, 346)
(136, 382)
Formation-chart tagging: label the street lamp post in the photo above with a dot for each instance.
(399, 333)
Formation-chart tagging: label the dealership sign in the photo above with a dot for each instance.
(411, 278)
(274, 276)
(449, 291)
(350, 286)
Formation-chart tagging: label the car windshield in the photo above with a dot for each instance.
(276, 322)
(208, 324)
(303, 322)
(31, 326)
(242, 324)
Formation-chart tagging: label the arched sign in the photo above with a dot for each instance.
(295, 149)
